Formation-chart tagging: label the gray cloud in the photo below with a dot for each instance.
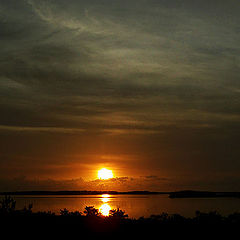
(164, 72)
(151, 183)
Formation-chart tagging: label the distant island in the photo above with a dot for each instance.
(177, 194)
(80, 193)
(203, 194)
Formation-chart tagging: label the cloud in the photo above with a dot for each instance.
(40, 129)
(119, 184)
(149, 183)
(157, 80)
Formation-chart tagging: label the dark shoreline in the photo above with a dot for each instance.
(81, 193)
(203, 194)
(177, 194)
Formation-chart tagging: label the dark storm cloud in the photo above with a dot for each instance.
(166, 72)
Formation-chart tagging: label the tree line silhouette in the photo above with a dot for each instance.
(93, 222)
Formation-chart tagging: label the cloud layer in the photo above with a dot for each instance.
(153, 85)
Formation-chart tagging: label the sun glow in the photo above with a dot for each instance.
(105, 209)
(105, 174)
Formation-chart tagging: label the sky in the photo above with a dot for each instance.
(147, 88)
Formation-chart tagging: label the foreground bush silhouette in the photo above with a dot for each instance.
(117, 214)
(91, 211)
(7, 205)
(91, 221)
(66, 212)
(210, 218)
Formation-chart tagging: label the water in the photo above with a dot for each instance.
(134, 205)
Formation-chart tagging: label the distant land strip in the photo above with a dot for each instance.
(177, 194)
(203, 194)
(80, 193)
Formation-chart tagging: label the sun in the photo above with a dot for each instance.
(105, 173)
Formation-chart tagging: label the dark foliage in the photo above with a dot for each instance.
(117, 214)
(66, 212)
(7, 205)
(92, 222)
(91, 211)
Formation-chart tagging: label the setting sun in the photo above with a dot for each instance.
(105, 174)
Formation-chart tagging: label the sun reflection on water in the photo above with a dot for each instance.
(105, 208)
(105, 198)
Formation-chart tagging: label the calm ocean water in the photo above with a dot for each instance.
(134, 205)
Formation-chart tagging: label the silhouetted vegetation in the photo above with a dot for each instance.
(66, 212)
(91, 211)
(7, 205)
(117, 214)
(91, 221)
